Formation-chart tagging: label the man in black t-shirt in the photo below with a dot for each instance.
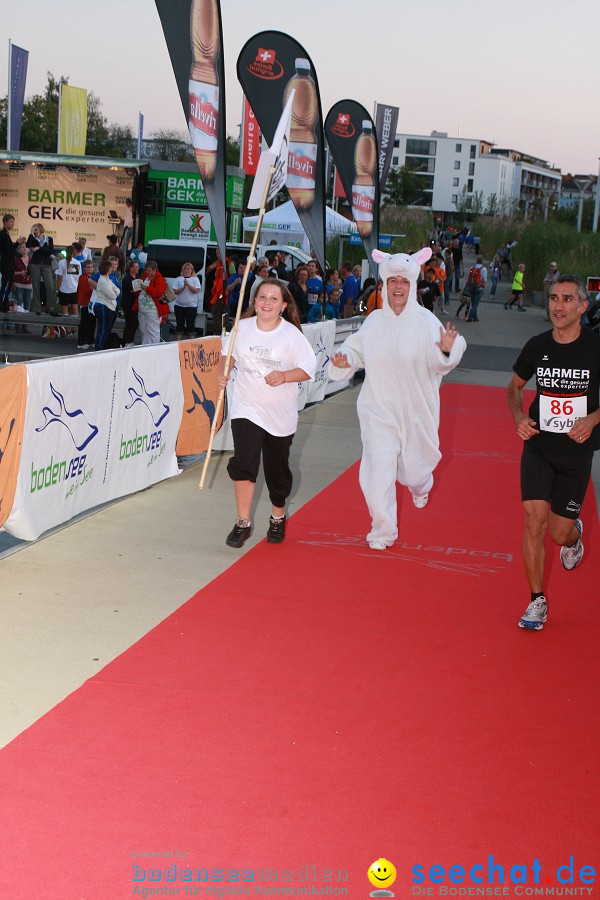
(428, 291)
(560, 431)
(457, 259)
(7, 260)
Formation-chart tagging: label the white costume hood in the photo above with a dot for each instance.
(408, 267)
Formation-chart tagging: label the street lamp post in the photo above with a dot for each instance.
(597, 203)
(583, 186)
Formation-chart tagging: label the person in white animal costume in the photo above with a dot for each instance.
(404, 352)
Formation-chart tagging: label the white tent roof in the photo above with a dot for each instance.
(284, 224)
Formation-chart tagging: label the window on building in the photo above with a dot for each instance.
(396, 144)
(420, 148)
(426, 182)
(471, 168)
(395, 160)
(473, 153)
(420, 164)
(455, 198)
(457, 163)
(459, 148)
(470, 186)
(455, 182)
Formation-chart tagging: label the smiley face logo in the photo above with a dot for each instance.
(382, 873)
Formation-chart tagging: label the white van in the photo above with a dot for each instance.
(170, 255)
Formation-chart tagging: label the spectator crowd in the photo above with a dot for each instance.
(37, 278)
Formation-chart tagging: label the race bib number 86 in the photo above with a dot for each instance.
(559, 414)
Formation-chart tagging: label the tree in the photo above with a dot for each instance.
(121, 142)
(463, 201)
(402, 188)
(3, 120)
(232, 151)
(169, 145)
(491, 207)
(97, 130)
(477, 204)
(39, 127)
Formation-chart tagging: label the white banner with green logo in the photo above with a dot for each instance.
(194, 225)
(96, 428)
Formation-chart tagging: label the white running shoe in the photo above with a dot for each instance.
(535, 615)
(420, 502)
(378, 545)
(570, 557)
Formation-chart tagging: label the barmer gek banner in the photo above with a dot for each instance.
(272, 64)
(194, 36)
(350, 133)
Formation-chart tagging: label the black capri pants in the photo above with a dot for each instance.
(185, 319)
(249, 440)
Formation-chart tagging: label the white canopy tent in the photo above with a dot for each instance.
(283, 225)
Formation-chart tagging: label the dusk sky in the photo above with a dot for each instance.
(521, 74)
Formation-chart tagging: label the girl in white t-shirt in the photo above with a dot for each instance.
(185, 288)
(271, 357)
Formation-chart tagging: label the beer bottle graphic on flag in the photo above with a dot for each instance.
(203, 117)
(302, 159)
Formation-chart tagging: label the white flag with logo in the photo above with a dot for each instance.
(276, 156)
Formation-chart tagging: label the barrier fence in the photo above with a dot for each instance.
(78, 431)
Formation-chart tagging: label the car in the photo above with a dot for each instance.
(170, 255)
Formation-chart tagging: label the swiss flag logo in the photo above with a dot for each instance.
(265, 56)
(342, 118)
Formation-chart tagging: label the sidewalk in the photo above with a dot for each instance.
(75, 599)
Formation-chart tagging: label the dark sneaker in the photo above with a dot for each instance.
(570, 557)
(276, 532)
(237, 535)
(535, 615)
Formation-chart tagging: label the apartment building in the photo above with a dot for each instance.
(447, 166)
(577, 187)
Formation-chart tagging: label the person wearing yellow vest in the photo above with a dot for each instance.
(517, 289)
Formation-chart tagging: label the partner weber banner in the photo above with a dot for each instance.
(350, 133)
(386, 118)
(270, 66)
(194, 38)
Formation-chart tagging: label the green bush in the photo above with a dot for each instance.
(415, 224)
(539, 243)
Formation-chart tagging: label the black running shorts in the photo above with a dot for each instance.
(558, 477)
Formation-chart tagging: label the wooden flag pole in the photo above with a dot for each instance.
(234, 330)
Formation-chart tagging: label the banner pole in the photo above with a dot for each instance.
(59, 115)
(9, 104)
(234, 330)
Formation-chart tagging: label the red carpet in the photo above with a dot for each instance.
(320, 706)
